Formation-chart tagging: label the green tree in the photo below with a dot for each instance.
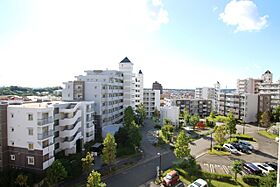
(276, 114)
(194, 120)
(186, 117)
(265, 119)
(141, 113)
(236, 168)
(109, 150)
(87, 162)
(56, 173)
(269, 180)
(167, 122)
(134, 135)
(231, 124)
(167, 131)
(128, 116)
(220, 134)
(182, 149)
(156, 116)
(94, 180)
(21, 180)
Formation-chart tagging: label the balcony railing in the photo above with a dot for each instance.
(45, 121)
(45, 135)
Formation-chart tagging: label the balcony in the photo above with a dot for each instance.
(48, 149)
(45, 135)
(69, 133)
(48, 163)
(68, 143)
(72, 120)
(45, 121)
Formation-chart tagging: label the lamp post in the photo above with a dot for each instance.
(159, 163)
(211, 145)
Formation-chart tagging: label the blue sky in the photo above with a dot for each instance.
(179, 43)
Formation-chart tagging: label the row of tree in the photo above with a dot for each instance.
(25, 91)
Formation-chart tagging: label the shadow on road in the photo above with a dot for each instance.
(192, 143)
(257, 152)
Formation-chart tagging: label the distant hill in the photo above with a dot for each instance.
(26, 91)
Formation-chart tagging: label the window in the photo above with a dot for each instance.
(13, 129)
(30, 160)
(30, 131)
(13, 157)
(30, 117)
(12, 115)
(30, 146)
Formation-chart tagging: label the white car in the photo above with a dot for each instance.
(199, 183)
(230, 148)
(265, 168)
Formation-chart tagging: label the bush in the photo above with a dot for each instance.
(252, 180)
(218, 147)
(218, 177)
(244, 137)
(231, 140)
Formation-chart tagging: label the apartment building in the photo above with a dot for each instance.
(248, 85)
(264, 104)
(157, 86)
(171, 113)
(272, 89)
(151, 101)
(111, 90)
(205, 93)
(133, 84)
(3, 136)
(201, 107)
(73, 125)
(242, 106)
(30, 130)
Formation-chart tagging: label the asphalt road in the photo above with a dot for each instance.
(141, 173)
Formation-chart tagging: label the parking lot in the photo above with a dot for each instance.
(216, 168)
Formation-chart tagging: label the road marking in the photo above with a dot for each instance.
(212, 169)
(225, 169)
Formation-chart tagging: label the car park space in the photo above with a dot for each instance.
(216, 168)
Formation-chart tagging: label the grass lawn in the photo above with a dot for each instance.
(219, 153)
(268, 135)
(240, 183)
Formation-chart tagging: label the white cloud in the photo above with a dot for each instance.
(244, 15)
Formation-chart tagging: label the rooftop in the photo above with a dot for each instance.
(125, 60)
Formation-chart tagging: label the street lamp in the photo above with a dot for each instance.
(159, 163)
(211, 145)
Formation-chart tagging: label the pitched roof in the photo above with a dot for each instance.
(140, 72)
(125, 60)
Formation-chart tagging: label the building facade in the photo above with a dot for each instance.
(157, 86)
(151, 101)
(171, 113)
(242, 106)
(201, 107)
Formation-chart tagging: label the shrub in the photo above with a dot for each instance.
(231, 140)
(124, 151)
(252, 180)
(218, 147)
(244, 137)
(216, 176)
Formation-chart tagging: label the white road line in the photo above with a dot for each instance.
(225, 169)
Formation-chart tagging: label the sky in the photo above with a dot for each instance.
(179, 43)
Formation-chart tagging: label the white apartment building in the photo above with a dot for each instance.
(248, 85)
(151, 101)
(133, 84)
(111, 90)
(205, 93)
(243, 106)
(30, 130)
(170, 112)
(74, 125)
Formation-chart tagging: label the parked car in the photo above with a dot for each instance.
(180, 184)
(274, 165)
(231, 149)
(266, 169)
(247, 144)
(171, 178)
(199, 183)
(250, 168)
(242, 148)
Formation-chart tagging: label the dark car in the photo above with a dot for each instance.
(242, 148)
(247, 144)
(273, 165)
(250, 168)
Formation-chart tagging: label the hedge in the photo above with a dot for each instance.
(216, 176)
(252, 180)
(244, 137)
